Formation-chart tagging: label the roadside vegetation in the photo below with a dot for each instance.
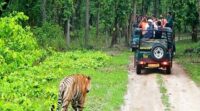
(41, 42)
(36, 88)
(30, 75)
(188, 55)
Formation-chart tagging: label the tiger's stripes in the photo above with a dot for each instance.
(73, 89)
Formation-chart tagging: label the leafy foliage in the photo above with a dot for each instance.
(188, 54)
(34, 88)
(18, 46)
(192, 15)
(50, 35)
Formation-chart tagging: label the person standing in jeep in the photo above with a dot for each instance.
(170, 23)
(149, 33)
(169, 20)
(144, 25)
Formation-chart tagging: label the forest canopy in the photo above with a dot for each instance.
(81, 23)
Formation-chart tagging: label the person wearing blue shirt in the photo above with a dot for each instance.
(149, 33)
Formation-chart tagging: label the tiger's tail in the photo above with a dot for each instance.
(58, 104)
(60, 100)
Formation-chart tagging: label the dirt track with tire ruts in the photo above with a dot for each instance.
(144, 94)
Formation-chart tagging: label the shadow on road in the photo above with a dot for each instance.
(147, 71)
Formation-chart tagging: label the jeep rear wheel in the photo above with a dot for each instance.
(168, 70)
(133, 49)
(138, 69)
(135, 61)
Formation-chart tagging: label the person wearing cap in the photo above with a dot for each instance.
(150, 29)
(150, 21)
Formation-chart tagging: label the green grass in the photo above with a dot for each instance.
(190, 61)
(36, 88)
(109, 85)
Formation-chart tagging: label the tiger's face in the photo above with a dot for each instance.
(88, 84)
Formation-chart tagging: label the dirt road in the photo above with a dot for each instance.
(144, 93)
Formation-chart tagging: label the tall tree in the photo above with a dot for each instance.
(68, 11)
(156, 10)
(192, 17)
(116, 26)
(76, 20)
(132, 19)
(67, 34)
(122, 11)
(87, 17)
(143, 6)
(98, 17)
(186, 12)
(43, 11)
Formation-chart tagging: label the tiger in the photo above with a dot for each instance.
(73, 89)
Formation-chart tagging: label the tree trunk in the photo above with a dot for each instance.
(159, 7)
(60, 16)
(199, 9)
(132, 19)
(55, 11)
(185, 27)
(146, 7)
(87, 23)
(97, 23)
(194, 33)
(127, 33)
(155, 12)
(114, 38)
(77, 16)
(107, 38)
(143, 3)
(68, 33)
(199, 15)
(43, 9)
(129, 29)
(115, 32)
(134, 11)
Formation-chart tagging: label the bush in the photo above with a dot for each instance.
(14, 36)
(36, 88)
(50, 35)
(18, 46)
(79, 59)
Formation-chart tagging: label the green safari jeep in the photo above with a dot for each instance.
(155, 51)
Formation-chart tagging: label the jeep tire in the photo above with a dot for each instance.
(158, 52)
(168, 70)
(138, 69)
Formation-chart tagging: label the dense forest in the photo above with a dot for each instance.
(93, 23)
